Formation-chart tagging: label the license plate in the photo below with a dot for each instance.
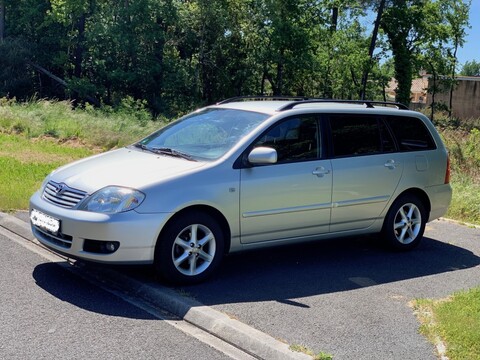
(44, 221)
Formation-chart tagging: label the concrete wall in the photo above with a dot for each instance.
(466, 98)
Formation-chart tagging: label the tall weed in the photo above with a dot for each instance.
(105, 128)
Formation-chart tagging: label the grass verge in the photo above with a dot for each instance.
(305, 350)
(25, 163)
(454, 321)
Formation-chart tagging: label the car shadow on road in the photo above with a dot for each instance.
(72, 289)
(325, 267)
(275, 274)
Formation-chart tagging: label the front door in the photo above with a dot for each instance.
(291, 198)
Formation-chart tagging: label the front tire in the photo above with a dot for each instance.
(405, 223)
(189, 249)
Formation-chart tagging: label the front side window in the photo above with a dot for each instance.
(354, 135)
(294, 139)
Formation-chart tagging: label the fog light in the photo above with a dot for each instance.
(100, 247)
(110, 247)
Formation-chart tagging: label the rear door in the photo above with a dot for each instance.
(366, 167)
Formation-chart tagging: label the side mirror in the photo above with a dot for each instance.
(262, 155)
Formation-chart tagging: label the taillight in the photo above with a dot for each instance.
(447, 172)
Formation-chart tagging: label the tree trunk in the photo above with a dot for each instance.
(371, 49)
(79, 49)
(452, 84)
(403, 71)
(278, 89)
(2, 20)
(334, 23)
(62, 82)
(433, 91)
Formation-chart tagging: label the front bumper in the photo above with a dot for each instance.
(137, 233)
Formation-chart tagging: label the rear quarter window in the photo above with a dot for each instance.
(411, 133)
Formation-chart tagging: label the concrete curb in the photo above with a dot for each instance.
(17, 226)
(232, 331)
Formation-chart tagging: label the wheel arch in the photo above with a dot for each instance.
(417, 192)
(420, 194)
(217, 215)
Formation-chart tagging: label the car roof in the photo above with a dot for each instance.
(267, 107)
(272, 107)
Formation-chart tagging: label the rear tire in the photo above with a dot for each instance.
(405, 223)
(189, 249)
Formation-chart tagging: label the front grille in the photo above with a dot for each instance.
(62, 195)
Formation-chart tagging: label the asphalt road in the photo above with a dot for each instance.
(46, 312)
(348, 297)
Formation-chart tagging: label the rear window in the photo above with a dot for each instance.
(354, 135)
(411, 133)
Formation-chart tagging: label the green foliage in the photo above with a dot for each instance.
(14, 70)
(471, 68)
(456, 321)
(465, 169)
(424, 34)
(176, 55)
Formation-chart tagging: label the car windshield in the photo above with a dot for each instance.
(203, 135)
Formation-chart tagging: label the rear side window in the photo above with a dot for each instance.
(354, 135)
(411, 133)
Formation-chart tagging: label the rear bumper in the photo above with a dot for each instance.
(440, 198)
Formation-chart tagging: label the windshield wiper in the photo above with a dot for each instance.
(165, 151)
(172, 152)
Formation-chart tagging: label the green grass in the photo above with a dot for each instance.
(39, 136)
(25, 163)
(464, 149)
(105, 128)
(305, 350)
(455, 321)
(465, 205)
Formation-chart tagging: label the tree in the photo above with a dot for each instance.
(456, 13)
(178, 54)
(471, 68)
(403, 23)
(371, 49)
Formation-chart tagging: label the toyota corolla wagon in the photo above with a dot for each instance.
(248, 173)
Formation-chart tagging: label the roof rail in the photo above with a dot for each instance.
(300, 100)
(367, 103)
(263, 98)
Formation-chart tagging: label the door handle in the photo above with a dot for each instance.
(321, 171)
(390, 164)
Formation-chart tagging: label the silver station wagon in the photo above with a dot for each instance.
(248, 173)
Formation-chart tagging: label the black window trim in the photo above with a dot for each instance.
(380, 120)
(396, 140)
(242, 162)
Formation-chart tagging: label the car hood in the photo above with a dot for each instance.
(123, 167)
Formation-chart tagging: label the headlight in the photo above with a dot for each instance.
(112, 199)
